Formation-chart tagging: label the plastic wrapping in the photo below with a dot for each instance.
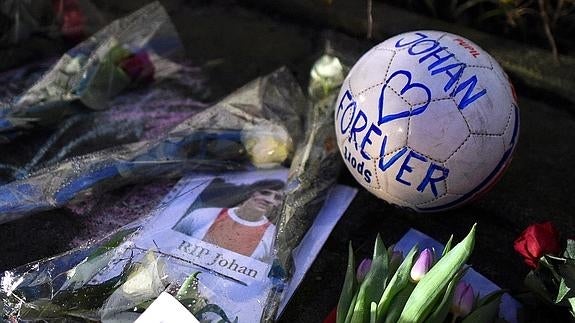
(219, 277)
(117, 278)
(312, 174)
(124, 54)
(210, 140)
(32, 30)
(258, 125)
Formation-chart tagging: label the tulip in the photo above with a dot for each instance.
(395, 260)
(422, 265)
(463, 299)
(536, 241)
(363, 269)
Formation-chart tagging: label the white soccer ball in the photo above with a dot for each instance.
(427, 120)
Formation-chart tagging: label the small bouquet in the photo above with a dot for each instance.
(552, 275)
(420, 287)
(125, 54)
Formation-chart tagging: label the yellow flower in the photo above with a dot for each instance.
(267, 144)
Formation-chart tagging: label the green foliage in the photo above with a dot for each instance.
(554, 279)
(487, 308)
(349, 285)
(441, 311)
(386, 296)
(374, 283)
(429, 289)
(397, 283)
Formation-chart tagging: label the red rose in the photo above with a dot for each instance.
(73, 25)
(537, 240)
(139, 67)
(70, 15)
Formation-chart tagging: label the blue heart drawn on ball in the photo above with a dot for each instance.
(407, 87)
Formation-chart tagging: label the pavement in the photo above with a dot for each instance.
(237, 43)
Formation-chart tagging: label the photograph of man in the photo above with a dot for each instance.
(243, 227)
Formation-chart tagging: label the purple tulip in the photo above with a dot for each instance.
(422, 265)
(363, 269)
(463, 300)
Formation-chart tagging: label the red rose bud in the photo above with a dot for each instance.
(463, 299)
(422, 265)
(139, 67)
(363, 269)
(536, 241)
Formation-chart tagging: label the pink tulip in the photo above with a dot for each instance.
(363, 269)
(463, 300)
(422, 265)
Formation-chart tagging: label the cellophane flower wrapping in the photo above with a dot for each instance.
(33, 30)
(158, 129)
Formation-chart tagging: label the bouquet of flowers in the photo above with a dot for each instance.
(552, 263)
(119, 277)
(123, 54)
(422, 287)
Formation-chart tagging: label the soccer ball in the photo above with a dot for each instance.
(427, 120)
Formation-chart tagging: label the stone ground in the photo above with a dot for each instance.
(235, 44)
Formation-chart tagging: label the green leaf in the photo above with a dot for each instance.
(570, 249)
(90, 297)
(563, 291)
(373, 313)
(551, 264)
(572, 304)
(397, 283)
(428, 291)
(534, 283)
(189, 296)
(487, 309)
(145, 281)
(373, 286)
(447, 247)
(40, 309)
(348, 289)
(567, 271)
(107, 81)
(393, 263)
(113, 242)
(190, 287)
(398, 304)
(215, 309)
(116, 54)
(86, 270)
(349, 314)
(440, 313)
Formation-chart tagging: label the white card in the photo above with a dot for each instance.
(166, 309)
